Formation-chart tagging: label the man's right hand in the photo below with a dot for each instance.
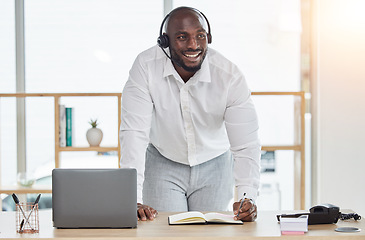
(145, 212)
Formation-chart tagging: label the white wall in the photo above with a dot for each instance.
(338, 89)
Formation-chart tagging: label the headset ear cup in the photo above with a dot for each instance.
(209, 36)
(163, 41)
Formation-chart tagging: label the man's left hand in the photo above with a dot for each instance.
(145, 212)
(248, 211)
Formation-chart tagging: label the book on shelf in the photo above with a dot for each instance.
(195, 217)
(62, 130)
(69, 126)
(294, 224)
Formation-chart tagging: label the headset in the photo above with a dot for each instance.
(163, 39)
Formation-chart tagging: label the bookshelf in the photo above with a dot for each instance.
(298, 147)
(299, 144)
(56, 99)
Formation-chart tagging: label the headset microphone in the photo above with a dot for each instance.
(177, 63)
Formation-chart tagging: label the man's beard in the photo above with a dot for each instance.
(179, 61)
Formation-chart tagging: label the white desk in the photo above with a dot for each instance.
(266, 227)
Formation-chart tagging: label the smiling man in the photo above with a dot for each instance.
(188, 42)
(189, 126)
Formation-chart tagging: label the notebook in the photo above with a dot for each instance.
(94, 198)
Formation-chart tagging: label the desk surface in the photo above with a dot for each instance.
(265, 227)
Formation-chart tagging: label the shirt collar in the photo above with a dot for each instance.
(169, 69)
(203, 75)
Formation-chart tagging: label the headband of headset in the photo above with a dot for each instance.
(163, 39)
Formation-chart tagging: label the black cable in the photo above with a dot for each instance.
(347, 216)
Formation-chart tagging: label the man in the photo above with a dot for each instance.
(190, 110)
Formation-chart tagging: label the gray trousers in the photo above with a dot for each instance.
(174, 187)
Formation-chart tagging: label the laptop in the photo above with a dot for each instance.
(94, 198)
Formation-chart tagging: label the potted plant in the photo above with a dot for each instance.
(94, 135)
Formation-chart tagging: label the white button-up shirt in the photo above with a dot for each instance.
(192, 122)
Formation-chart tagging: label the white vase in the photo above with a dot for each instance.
(94, 136)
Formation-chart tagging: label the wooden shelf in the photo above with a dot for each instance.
(24, 190)
(275, 148)
(57, 97)
(98, 149)
(60, 94)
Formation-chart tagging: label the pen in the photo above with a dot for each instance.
(243, 198)
(21, 226)
(16, 200)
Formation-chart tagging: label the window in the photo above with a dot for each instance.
(70, 46)
(86, 46)
(7, 46)
(7, 85)
(261, 37)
